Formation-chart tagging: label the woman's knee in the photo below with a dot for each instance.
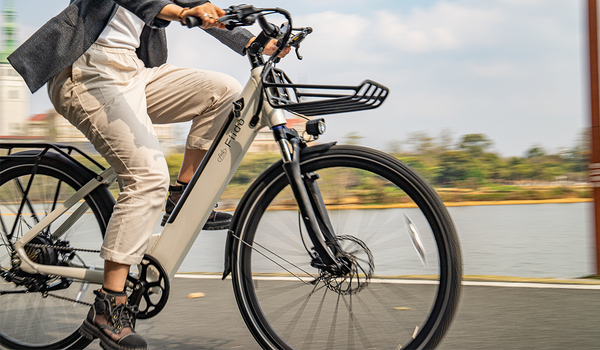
(227, 88)
(234, 86)
(149, 179)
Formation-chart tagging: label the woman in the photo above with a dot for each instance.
(104, 62)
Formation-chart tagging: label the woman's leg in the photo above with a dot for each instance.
(191, 160)
(206, 99)
(115, 275)
(102, 96)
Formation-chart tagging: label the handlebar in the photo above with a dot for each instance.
(235, 16)
(193, 21)
(246, 15)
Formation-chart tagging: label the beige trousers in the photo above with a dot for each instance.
(113, 100)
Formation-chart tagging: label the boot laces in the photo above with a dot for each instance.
(123, 316)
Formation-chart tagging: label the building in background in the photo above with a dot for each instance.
(17, 125)
(15, 122)
(14, 95)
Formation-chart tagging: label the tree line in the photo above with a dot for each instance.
(470, 161)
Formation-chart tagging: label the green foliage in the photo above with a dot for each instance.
(471, 164)
(454, 166)
(535, 152)
(475, 144)
(174, 163)
(426, 167)
(353, 138)
(252, 166)
(468, 167)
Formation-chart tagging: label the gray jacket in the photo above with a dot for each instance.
(63, 39)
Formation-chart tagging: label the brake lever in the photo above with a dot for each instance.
(297, 39)
(240, 15)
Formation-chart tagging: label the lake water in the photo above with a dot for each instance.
(540, 240)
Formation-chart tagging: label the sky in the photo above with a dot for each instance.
(514, 70)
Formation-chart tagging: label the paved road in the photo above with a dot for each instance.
(490, 317)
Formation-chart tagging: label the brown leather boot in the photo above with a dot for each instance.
(216, 220)
(112, 320)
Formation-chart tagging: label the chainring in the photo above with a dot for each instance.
(151, 287)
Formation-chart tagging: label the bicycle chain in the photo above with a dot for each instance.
(46, 294)
(35, 245)
(65, 298)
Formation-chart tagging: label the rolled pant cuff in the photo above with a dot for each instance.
(120, 258)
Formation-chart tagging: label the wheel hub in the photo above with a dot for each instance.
(358, 267)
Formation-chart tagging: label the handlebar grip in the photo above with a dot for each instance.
(192, 21)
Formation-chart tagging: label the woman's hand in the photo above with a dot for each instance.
(209, 14)
(272, 47)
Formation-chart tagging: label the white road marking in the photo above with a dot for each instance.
(406, 281)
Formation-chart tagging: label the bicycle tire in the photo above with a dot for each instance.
(32, 320)
(288, 304)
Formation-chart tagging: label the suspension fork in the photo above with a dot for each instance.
(310, 202)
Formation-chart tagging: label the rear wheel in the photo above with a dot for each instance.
(403, 286)
(45, 312)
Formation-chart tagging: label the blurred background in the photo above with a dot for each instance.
(488, 102)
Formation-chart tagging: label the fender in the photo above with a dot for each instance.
(236, 221)
(39, 153)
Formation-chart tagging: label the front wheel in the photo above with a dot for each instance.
(403, 288)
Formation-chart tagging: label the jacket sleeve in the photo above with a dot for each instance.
(147, 10)
(236, 39)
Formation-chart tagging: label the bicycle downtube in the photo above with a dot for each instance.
(319, 235)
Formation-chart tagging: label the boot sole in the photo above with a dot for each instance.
(91, 332)
(213, 226)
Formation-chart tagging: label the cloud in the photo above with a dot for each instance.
(339, 37)
(445, 26)
(510, 68)
(500, 67)
(442, 27)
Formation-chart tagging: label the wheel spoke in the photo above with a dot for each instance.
(316, 318)
(24, 201)
(25, 194)
(33, 320)
(278, 257)
(370, 305)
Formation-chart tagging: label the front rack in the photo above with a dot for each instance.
(282, 93)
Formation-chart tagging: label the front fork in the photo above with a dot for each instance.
(329, 254)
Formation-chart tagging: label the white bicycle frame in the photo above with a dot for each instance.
(171, 246)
